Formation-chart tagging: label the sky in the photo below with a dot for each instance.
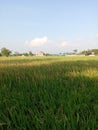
(52, 26)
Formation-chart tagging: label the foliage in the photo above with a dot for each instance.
(50, 93)
(30, 53)
(25, 54)
(88, 52)
(5, 52)
(75, 51)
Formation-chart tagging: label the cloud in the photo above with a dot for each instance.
(64, 43)
(27, 42)
(39, 41)
(0, 41)
(78, 39)
(97, 36)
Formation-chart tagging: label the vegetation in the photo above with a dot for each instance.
(50, 93)
(5, 52)
(88, 52)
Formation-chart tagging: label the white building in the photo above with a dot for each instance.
(40, 53)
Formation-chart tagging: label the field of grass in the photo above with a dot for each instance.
(49, 93)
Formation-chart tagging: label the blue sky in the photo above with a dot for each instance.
(51, 26)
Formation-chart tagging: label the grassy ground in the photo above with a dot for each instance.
(49, 93)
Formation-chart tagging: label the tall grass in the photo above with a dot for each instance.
(50, 93)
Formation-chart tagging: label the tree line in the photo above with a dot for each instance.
(6, 52)
(90, 51)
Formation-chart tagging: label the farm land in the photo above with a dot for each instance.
(49, 93)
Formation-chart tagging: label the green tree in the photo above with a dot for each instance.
(5, 52)
(75, 51)
(30, 53)
(25, 54)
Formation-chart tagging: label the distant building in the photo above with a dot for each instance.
(40, 53)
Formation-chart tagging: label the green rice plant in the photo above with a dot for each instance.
(49, 93)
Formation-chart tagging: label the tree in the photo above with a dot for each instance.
(30, 53)
(75, 51)
(88, 52)
(5, 52)
(16, 54)
(25, 54)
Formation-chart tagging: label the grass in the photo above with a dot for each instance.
(50, 93)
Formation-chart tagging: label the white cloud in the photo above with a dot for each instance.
(0, 41)
(78, 39)
(27, 42)
(97, 36)
(39, 41)
(64, 43)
